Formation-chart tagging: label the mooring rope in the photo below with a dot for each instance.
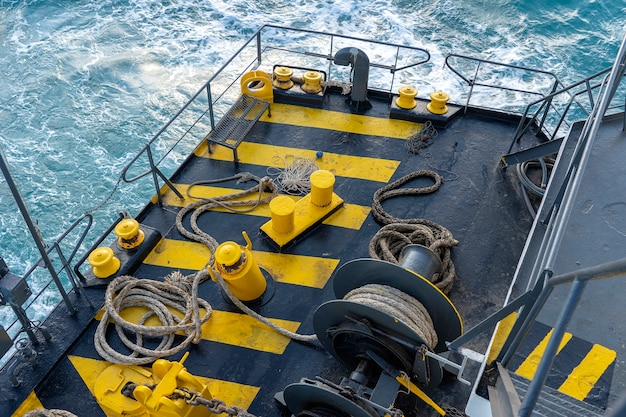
(422, 139)
(396, 233)
(230, 201)
(177, 293)
(399, 305)
(43, 412)
(294, 177)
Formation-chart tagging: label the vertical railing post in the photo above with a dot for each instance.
(33, 231)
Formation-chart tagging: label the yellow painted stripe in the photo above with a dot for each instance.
(350, 216)
(502, 332)
(245, 331)
(529, 366)
(343, 122)
(232, 393)
(362, 167)
(308, 271)
(30, 403)
(230, 328)
(583, 378)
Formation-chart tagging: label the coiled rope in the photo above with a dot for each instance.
(294, 177)
(42, 412)
(396, 233)
(399, 305)
(422, 139)
(177, 293)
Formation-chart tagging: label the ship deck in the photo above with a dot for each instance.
(247, 363)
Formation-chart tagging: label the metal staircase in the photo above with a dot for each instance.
(513, 395)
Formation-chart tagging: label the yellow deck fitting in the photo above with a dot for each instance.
(129, 235)
(438, 102)
(240, 271)
(257, 84)
(153, 391)
(282, 78)
(406, 100)
(104, 262)
(309, 211)
(322, 183)
(282, 210)
(312, 82)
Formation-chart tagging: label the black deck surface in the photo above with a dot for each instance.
(478, 202)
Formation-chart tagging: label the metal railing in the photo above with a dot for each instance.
(531, 302)
(303, 48)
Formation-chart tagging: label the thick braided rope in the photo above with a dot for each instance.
(160, 298)
(396, 233)
(42, 412)
(399, 305)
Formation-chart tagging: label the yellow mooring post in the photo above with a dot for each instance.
(238, 268)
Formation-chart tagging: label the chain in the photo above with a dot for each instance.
(214, 405)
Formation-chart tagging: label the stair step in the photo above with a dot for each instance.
(554, 403)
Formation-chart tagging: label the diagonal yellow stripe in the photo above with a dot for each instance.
(229, 328)
(308, 271)
(31, 403)
(343, 122)
(350, 216)
(583, 378)
(528, 368)
(362, 167)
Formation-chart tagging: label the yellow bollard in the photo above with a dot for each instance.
(282, 78)
(237, 267)
(282, 208)
(129, 234)
(104, 262)
(322, 182)
(312, 82)
(407, 97)
(438, 102)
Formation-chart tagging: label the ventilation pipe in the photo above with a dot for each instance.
(360, 72)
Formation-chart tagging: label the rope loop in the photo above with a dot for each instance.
(160, 298)
(388, 242)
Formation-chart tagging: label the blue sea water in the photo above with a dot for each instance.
(83, 84)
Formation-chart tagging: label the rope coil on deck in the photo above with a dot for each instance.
(293, 178)
(396, 233)
(176, 293)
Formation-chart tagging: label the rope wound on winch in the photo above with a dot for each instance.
(239, 269)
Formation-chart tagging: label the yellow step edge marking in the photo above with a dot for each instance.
(583, 378)
(351, 216)
(309, 271)
(29, 404)
(343, 122)
(230, 328)
(528, 368)
(362, 167)
(232, 393)
(502, 332)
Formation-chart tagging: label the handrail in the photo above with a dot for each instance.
(207, 92)
(526, 121)
(586, 142)
(472, 81)
(87, 221)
